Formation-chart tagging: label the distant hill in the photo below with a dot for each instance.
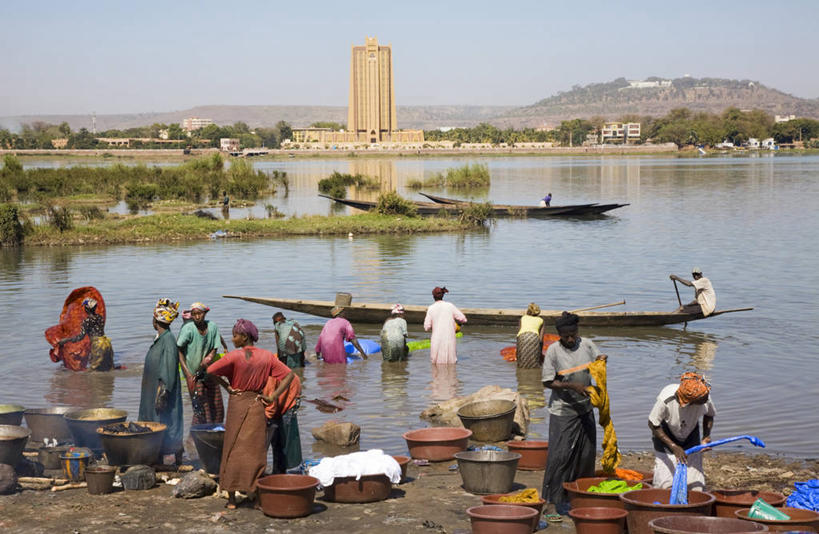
(424, 117)
(620, 97)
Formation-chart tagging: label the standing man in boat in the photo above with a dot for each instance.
(290, 341)
(546, 201)
(705, 298)
(675, 427)
(572, 432)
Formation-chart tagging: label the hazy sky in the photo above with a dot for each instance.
(140, 56)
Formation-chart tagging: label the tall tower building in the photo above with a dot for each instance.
(371, 114)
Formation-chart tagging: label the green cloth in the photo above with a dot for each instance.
(614, 486)
(196, 346)
(161, 364)
(290, 336)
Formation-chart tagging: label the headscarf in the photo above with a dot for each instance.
(397, 310)
(533, 309)
(186, 315)
(166, 311)
(243, 326)
(693, 388)
(438, 292)
(199, 306)
(89, 303)
(567, 321)
(336, 311)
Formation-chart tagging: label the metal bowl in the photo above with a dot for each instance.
(84, 424)
(48, 423)
(13, 440)
(490, 420)
(11, 414)
(485, 472)
(133, 449)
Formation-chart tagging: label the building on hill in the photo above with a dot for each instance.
(195, 123)
(645, 84)
(784, 118)
(619, 132)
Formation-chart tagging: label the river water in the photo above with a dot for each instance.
(747, 222)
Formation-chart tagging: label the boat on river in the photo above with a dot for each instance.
(375, 313)
(571, 210)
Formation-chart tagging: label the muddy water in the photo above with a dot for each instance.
(747, 222)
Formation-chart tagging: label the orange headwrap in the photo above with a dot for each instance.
(693, 388)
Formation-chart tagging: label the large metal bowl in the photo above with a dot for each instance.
(486, 472)
(13, 440)
(48, 423)
(133, 449)
(84, 424)
(489, 420)
(208, 439)
(11, 414)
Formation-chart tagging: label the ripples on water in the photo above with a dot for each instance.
(748, 223)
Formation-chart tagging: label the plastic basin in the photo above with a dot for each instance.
(84, 424)
(580, 497)
(100, 479)
(598, 520)
(368, 488)
(13, 440)
(437, 444)
(486, 472)
(403, 462)
(533, 454)
(133, 449)
(48, 423)
(208, 442)
(729, 501)
(690, 524)
(494, 500)
(11, 414)
(641, 507)
(647, 476)
(799, 520)
(489, 420)
(501, 518)
(287, 495)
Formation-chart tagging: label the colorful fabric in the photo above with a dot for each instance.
(530, 323)
(101, 357)
(533, 309)
(287, 399)
(528, 350)
(162, 364)
(394, 339)
(397, 310)
(199, 306)
(441, 318)
(330, 343)
(693, 388)
(677, 421)
(599, 397)
(805, 495)
(291, 342)
(166, 311)
(206, 402)
(243, 326)
(75, 354)
(614, 486)
(89, 303)
(248, 368)
(244, 450)
(529, 495)
(195, 345)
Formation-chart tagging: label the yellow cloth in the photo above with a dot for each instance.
(530, 323)
(529, 495)
(599, 397)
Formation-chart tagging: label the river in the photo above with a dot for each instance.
(748, 222)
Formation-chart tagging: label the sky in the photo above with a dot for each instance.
(113, 56)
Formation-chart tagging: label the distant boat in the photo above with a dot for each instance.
(571, 210)
(702, 151)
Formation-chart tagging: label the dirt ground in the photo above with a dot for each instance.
(432, 501)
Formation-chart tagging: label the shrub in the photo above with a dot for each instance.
(139, 196)
(273, 212)
(391, 203)
(337, 183)
(60, 218)
(91, 213)
(11, 164)
(415, 184)
(11, 231)
(477, 214)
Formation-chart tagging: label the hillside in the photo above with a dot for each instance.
(617, 98)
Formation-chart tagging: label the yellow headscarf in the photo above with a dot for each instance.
(166, 311)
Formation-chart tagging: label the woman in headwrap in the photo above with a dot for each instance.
(394, 336)
(161, 397)
(101, 354)
(674, 424)
(442, 318)
(244, 451)
(530, 338)
(330, 344)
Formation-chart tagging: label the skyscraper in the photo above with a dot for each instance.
(371, 114)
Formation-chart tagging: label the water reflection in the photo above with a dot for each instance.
(531, 388)
(11, 259)
(83, 389)
(444, 384)
(60, 271)
(331, 379)
(394, 379)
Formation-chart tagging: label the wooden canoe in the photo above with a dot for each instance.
(572, 210)
(375, 313)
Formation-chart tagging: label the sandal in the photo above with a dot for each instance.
(553, 518)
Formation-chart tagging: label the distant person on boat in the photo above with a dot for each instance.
(198, 342)
(248, 368)
(290, 341)
(161, 396)
(705, 298)
(336, 331)
(546, 201)
(572, 432)
(528, 352)
(443, 319)
(674, 424)
(100, 354)
(394, 336)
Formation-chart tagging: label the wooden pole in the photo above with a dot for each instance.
(678, 292)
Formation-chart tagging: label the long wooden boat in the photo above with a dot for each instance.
(431, 208)
(574, 210)
(373, 312)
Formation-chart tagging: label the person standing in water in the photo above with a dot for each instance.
(330, 345)
(394, 336)
(101, 355)
(442, 319)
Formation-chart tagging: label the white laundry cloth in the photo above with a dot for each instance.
(357, 464)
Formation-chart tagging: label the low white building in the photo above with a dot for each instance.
(724, 144)
(194, 123)
(769, 143)
(229, 144)
(620, 132)
(753, 142)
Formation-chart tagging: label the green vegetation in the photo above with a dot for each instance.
(335, 126)
(477, 214)
(60, 217)
(337, 183)
(391, 203)
(465, 177)
(11, 231)
(486, 133)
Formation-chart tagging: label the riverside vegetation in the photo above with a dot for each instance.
(468, 176)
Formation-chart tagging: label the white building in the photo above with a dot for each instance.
(643, 84)
(769, 143)
(753, 142)
(784, 118)
(194, 123)
(229, 144)
(620, 132)
(724, 144)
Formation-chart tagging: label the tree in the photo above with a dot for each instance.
(285, 130)
(335, 126)
(175, 131)
(65, 129)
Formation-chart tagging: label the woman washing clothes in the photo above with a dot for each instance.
(394, 336)
(101, 354)
(530, 338)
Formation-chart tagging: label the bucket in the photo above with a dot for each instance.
(485, 472)
(74, 465)
(729, 501)
(287, 495)
(689, 524)
(598, 520)
(509, 519)
(437, 444)
(494, 500)
(490, 420)
(641, 507)
(13, 440)
(403, 462)
(100, 479)
(343, 299)
(208, 439)
(533, 454)
(799, 520)
(50, 456)
(48, 423)
(11, 414)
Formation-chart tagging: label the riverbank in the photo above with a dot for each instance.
(431, 501)
(179, 227)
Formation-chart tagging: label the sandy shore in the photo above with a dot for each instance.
(431, 501)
